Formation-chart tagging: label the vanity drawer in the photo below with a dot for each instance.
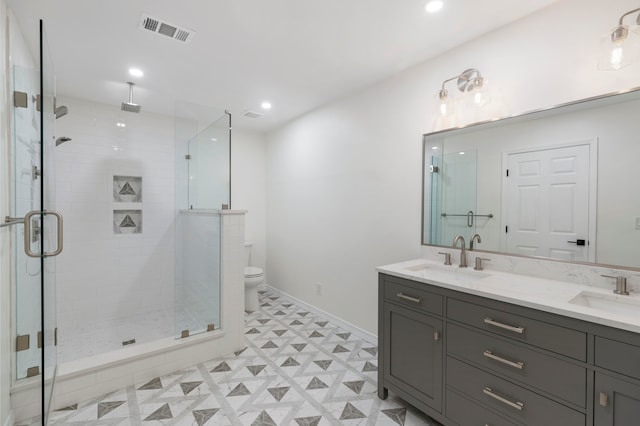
(616, 356)
(508, 398)
(552, 375)
(408, 295)
(554, 338)
(466, 412)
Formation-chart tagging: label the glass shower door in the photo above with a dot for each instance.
(37, 227)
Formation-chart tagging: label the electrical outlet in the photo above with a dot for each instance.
(637, 223)
(318, 289)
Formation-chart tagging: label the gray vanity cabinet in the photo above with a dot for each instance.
(617, 402)
(473, 361)
(411, 355)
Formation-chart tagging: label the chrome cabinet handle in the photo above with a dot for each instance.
(27, 233)
(409, 298)
(604, 399)
(517, 405)
(515, 329)
(515, 364)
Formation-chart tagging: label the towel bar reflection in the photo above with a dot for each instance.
(470, 215)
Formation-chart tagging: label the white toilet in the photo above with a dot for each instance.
(253, 277)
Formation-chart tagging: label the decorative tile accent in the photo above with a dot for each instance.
(105, 408)
(189, 386)
(127, 221)
(351, 412)
(203, 416)
(279, 378)
(151, 385)
(127, 189)
(161, 413)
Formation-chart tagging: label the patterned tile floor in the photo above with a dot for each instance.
(296, 369)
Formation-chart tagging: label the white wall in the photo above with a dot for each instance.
(344, 181)
(248, 188)
(100, 274)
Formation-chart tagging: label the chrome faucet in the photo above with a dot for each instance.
(474, 237)
(463, 251)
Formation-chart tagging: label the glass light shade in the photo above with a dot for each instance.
(618, 53)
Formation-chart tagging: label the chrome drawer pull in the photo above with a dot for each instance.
(409, 298)
(515, 364)
(517, 405)
(519, 330)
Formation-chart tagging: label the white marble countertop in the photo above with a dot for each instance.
(532, 292)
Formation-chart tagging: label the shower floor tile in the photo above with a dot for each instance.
(296, 369)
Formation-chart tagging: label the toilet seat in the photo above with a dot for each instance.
(253, 272)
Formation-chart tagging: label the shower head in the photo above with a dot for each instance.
(61, 111)
(130, 106)
(62, 139)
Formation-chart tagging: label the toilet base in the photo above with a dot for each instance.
(251, 302)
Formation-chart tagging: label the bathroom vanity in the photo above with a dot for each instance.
(500, 349)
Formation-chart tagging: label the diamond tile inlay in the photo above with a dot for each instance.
(289, 362)
(308, 421)
(105, 408)
(161, 413)
(239, 390)
(202, 416)
(299, 346)
(255, 369)
(189, 386)
(355, 386)
(278, 393)
(398, 415)
(222, 367)
(324, 364)
(316, 383)
(351, 412)
(151, 385)
(263, 419)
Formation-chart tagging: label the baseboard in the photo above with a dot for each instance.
(363, 334)
(10, 420)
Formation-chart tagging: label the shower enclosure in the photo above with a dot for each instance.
(142, 245)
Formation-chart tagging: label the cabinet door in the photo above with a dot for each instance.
(617, 402)
(413, 353)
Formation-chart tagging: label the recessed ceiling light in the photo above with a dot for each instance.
(121, 124)
(433, 6)
(136, 72)
(435, 148)
(266, 105)
(214, 139)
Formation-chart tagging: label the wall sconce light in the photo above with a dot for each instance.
(621, 47)
(469, 81)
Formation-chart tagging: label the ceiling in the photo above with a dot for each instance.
(297, 54)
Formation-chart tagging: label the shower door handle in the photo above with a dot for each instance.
(27, 233)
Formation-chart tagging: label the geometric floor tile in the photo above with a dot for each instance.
(296, 368)
(161, 413)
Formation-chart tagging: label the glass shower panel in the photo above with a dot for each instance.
(198, 272)
(458, 177)
(209, 166)
(26, 197)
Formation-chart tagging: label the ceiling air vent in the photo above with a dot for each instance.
(158, 26)
(252, 114)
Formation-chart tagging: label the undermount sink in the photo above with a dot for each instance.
(626, 305)
(448, 270)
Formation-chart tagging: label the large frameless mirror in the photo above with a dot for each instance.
(557, 183)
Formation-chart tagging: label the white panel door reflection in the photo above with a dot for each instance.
(547, 196)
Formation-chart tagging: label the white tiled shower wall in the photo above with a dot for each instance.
(102, 275)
